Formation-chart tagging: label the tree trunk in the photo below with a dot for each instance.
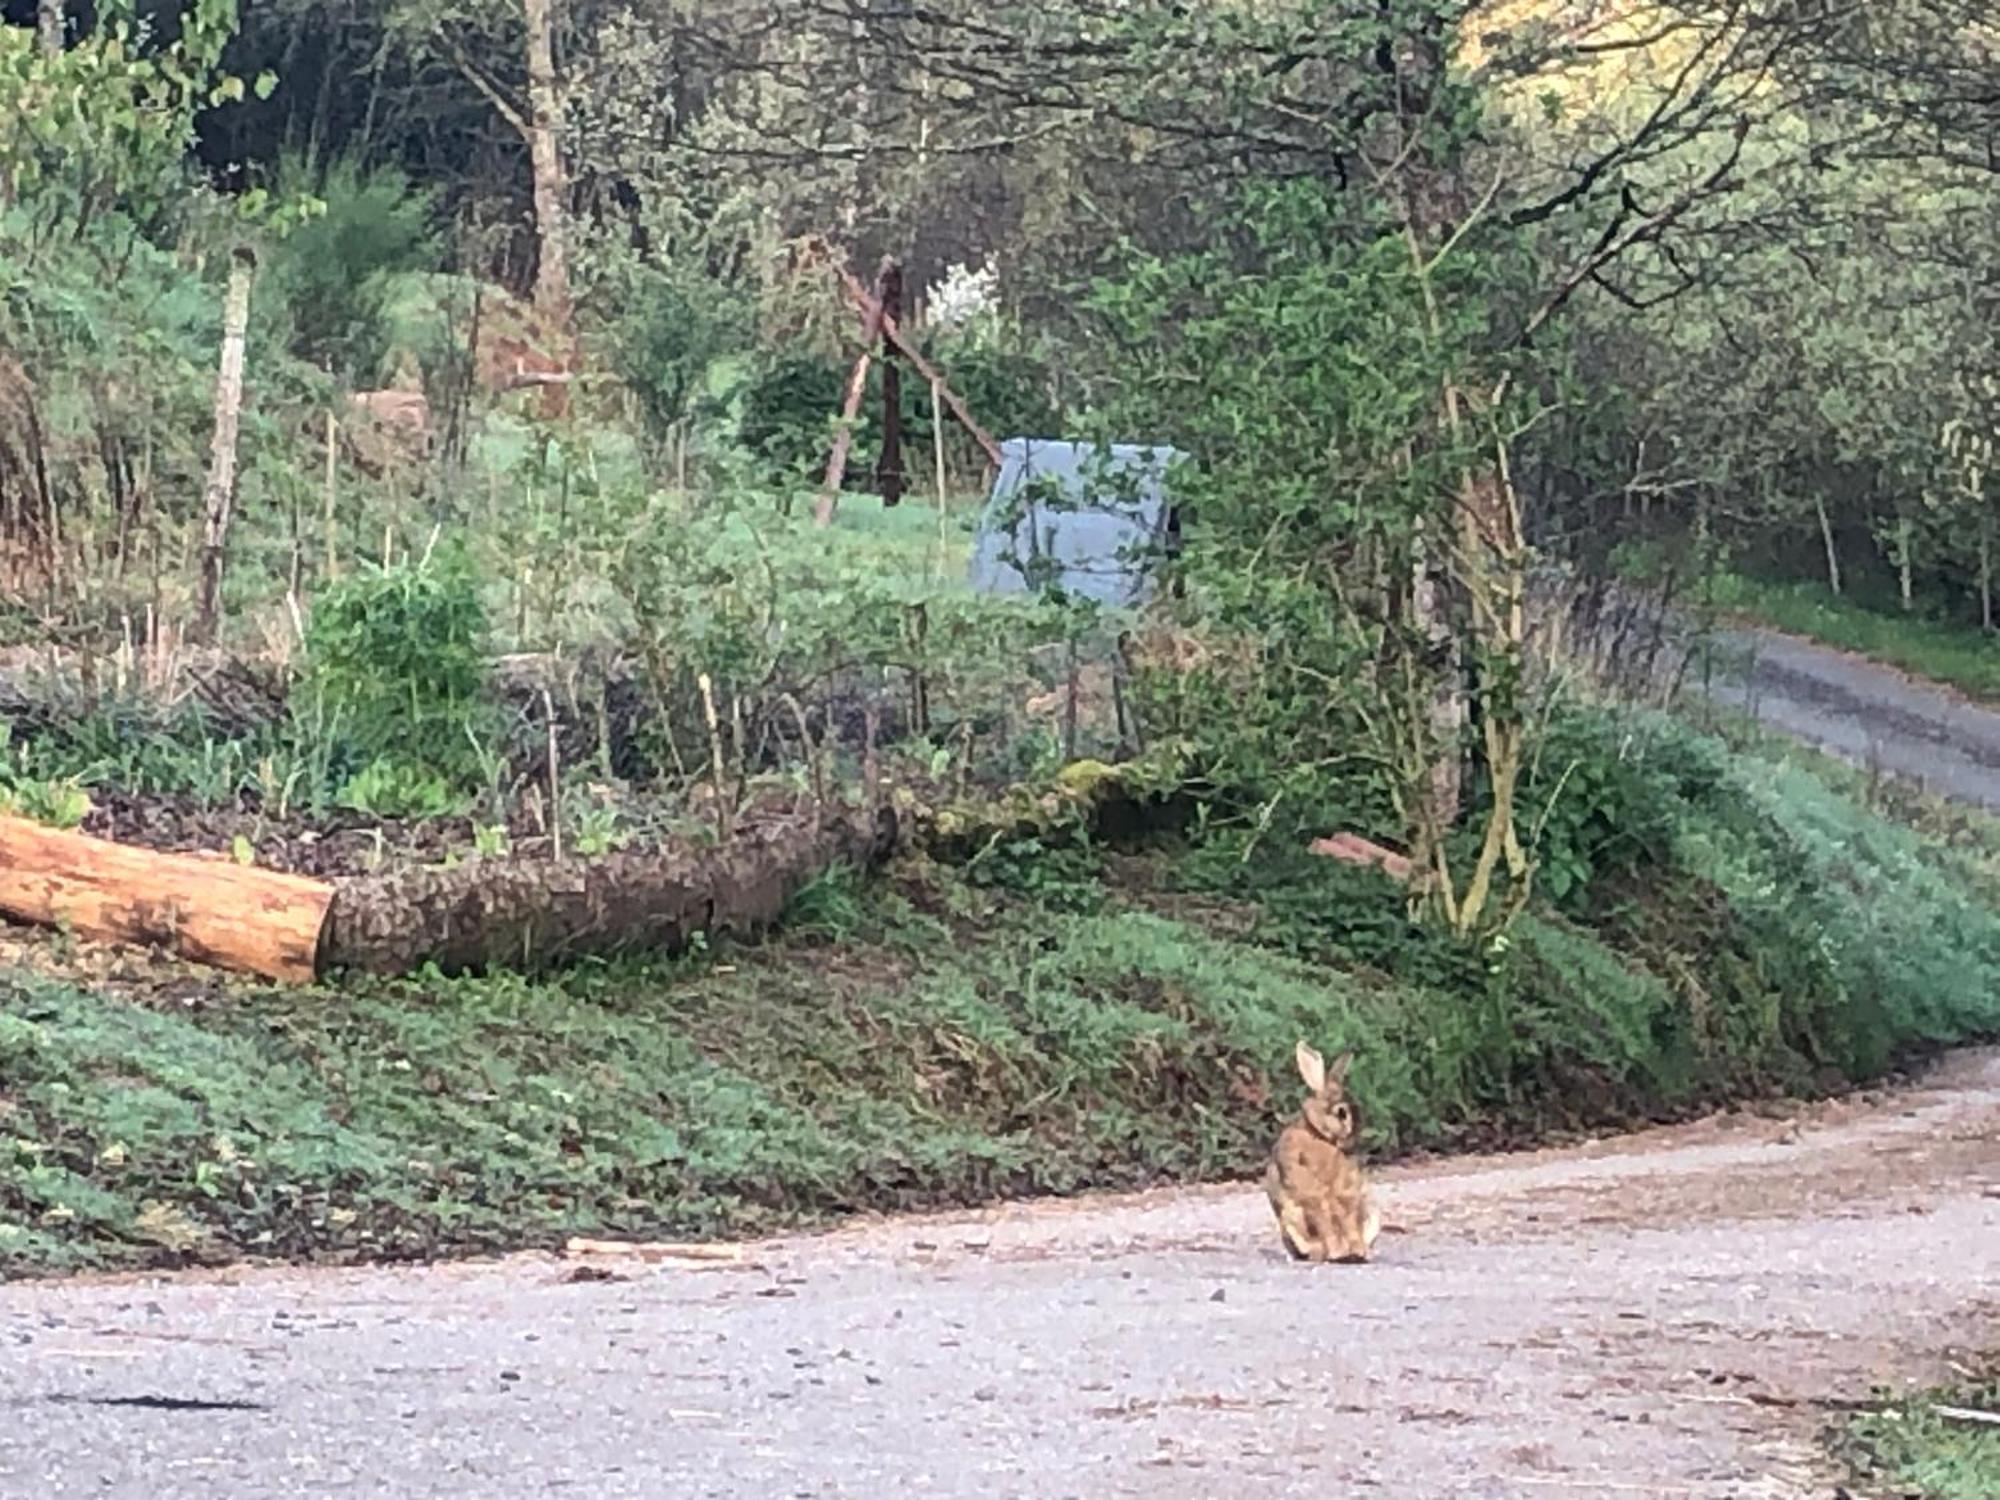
(208, 909)
(529, 914)
(218, 496)
(551, 180)
(49, 27)
(1826, 540)
(1430, 602)
(1986, 574)
(1904, 582)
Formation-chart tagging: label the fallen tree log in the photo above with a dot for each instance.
(211, 910)
(505, 913)
(528, 915)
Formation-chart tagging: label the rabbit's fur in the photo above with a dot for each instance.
(1315, 1186)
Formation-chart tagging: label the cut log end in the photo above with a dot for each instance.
(212, 911)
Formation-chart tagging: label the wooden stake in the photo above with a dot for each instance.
(329, 523)
(889, 463)
(219, 494)
(937, 444)
(718, 762)
(555, 776)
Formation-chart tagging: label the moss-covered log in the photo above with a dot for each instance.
(535, 914)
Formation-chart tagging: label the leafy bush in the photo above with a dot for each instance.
(665, 332)
(1060, 873)
(332, 274)
(787, 407)
(26, 792)
(1607, 796)
(388, 788)
(395, 658)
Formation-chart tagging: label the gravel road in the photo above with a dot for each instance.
(1667, 1314)
(1866, 713)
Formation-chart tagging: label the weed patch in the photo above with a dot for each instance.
(1917, 1449)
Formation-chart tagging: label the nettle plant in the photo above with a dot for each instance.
(396, 666)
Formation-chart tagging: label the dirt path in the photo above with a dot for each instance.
(1867, 713)
(1662, 1315)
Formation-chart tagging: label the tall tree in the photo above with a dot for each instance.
(509, 50)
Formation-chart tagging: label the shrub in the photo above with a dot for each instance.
(332, 274)
(664, 334)
(396, 662)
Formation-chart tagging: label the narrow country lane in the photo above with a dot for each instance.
(1866, 713)
(1663, 1315)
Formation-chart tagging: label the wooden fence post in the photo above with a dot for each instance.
(219, 494)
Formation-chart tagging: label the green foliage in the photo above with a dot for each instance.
(1606, 800)
(829, 907)
(333, 275)
(665, 332)
(786, 410)
(104, 126)
(1324, 910)
(1909, 1449)
(1305, 361)
(396, 658)
(1055, 871)
(387, 788)
(27, 792)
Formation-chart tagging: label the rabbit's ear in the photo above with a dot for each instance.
(1312, 1068)
(1338, 1072)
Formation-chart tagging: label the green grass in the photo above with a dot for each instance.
(1908, 1450)
(1958, 655)
(1068, 1021)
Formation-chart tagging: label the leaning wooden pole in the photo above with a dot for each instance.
(850, 412)
(208, 909)
(892, 331)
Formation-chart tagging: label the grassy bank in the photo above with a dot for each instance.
(1915, 1451)
(1957, 655)
(1053, 1018)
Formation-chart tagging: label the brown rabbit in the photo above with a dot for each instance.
(1315, 1187)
